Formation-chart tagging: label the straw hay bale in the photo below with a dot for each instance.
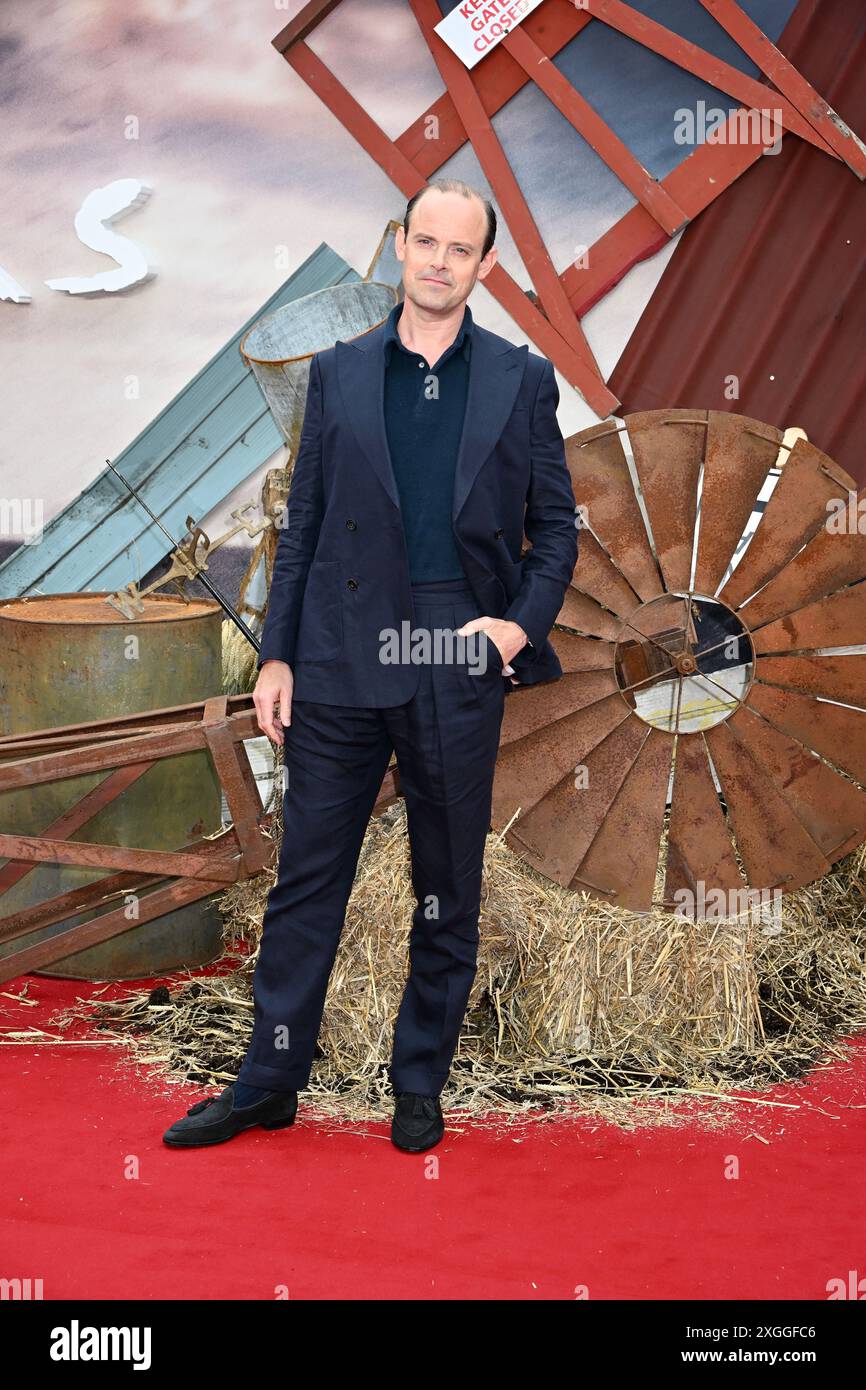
(576, 1005)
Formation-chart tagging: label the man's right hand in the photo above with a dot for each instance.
(274, 687)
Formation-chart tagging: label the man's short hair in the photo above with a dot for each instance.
(456, 186)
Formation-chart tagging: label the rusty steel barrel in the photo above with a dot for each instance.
(72, 658)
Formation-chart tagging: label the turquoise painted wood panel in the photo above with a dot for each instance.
(216, 432)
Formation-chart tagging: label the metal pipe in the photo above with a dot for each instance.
(211, 587)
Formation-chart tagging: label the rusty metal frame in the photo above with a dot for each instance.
(663, 206)
(124, 748)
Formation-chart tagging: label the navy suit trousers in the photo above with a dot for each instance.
(446, 740)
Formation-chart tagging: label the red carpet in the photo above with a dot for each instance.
(334, 1211)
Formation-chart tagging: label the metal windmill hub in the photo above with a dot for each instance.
(679, 638)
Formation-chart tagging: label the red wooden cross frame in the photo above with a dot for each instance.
(551, 318)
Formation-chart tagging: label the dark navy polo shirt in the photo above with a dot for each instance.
(425, 406)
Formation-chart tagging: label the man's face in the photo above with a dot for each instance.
(442, 254)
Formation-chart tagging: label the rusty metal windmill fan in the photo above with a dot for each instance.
(696, 668)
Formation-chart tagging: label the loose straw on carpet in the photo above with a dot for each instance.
(577, 1006)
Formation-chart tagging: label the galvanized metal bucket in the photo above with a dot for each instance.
(280, 346)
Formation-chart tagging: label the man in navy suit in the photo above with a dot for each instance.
(400, 615)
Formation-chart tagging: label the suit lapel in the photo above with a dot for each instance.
(493, 385)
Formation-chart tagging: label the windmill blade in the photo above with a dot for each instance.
(840, 678)
(529, 711)
(526, 774)
(603, 485)
(829, 562)
(668, 448)
(622, 861)
(582, 653)
(826, 804)
(776, 851)
(836, 621)
(795, 512)
(701, 858)
(532, 760)
(583, 614)
(836, 732)
(739, 455)
(596, 575)
(559, 829)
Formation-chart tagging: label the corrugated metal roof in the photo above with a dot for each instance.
(769, 283)
(215, 433)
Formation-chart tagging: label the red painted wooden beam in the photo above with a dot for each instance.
(792, 83)
(707, 66)
(597, 133)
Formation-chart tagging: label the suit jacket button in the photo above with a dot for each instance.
(351, 525)
(497, 535)
(351, 583)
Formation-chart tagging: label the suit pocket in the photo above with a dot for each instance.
(513, 580)
(320, 631)
(493, 659)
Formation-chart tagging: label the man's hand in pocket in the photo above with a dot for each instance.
(508, 638)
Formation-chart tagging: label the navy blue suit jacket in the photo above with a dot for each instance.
(341, 570)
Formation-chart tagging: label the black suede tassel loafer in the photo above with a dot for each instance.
(216, 1119)
(417, 1124)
